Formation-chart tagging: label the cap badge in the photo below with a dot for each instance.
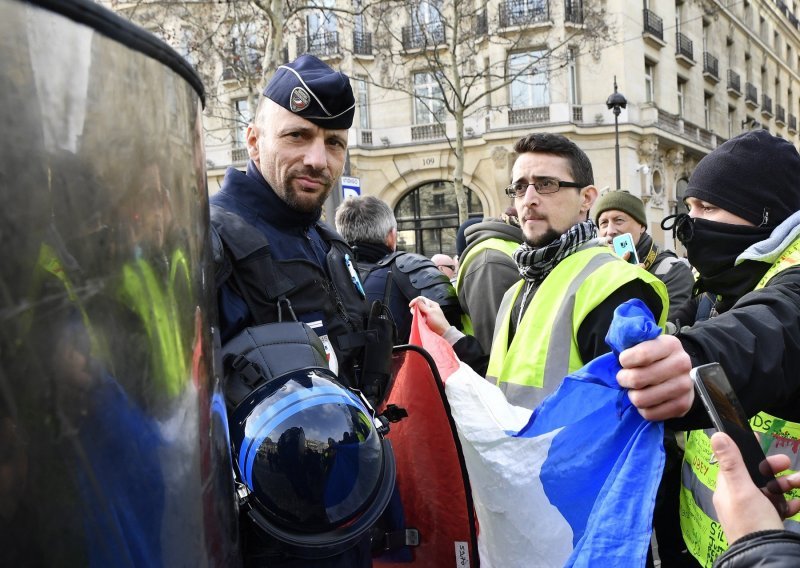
(299, 99)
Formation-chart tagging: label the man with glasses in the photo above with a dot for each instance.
(447, 265)
(556, 318)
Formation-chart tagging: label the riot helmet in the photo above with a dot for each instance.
(316, 471)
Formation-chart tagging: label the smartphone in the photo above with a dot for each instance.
(624, 243)
(727, 415)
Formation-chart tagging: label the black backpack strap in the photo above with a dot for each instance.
(244, 244)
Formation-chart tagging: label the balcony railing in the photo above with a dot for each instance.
(653, 24)
(322, 44)
(533, 115)
(751, 93)
(366, 137)
(780, 114)
(428, 131)
(792, 123)
(524, 12)
(577, 114)
(362, 43)
(239, 155)
(766, 105)
(425, 35)
(684, 46)
(734, 83)
(573, 11)
(710, 65)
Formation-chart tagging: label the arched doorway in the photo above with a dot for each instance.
(427, 218)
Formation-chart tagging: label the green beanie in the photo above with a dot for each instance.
(621, 200)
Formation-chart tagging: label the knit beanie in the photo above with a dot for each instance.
(754, 175)
(621, 200)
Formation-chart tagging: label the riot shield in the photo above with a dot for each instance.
(113, 437)
(432, 484)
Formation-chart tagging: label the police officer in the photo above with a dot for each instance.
(369, 225)
(276, 260)
(742, 234)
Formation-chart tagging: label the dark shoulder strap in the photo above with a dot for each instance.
(249, 249)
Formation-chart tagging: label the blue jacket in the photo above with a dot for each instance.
(308, 257)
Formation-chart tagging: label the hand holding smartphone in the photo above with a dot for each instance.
(623, 244)
(727, 415)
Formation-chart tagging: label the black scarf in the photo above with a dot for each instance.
(712, 248)
(535, 263)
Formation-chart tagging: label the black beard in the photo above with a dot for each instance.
(292, 200)
(548, 237)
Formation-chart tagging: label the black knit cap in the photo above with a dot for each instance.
(754, 175)
(311, 89)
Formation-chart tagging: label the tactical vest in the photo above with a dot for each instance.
(415, 276)
(545, 347)
(700, 526)
(284, 290)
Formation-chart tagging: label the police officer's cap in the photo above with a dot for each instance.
(311, 89)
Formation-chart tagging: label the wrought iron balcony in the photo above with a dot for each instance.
(780, 114)
(524, 12)
(533, 115)
(321, 44)
(751, 94)
(684, 46)
(238, 155)
(766, 105)
(792, 123)
(362, 43)
(710, 65)
(428, 131)
(653, 25)
(734, 83)
(366, 137)
(426, 35)
(573, 11)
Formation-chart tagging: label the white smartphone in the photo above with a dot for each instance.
(624, 243)
(727, 415)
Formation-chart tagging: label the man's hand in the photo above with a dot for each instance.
(741, 506)
(656, 374)
(434, 316)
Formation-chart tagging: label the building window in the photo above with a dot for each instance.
(731, 121)
(428, 13)
(572, 72)
(241, 118)
(681, 96)
(363, 103)
(427, 218)
(321, 30)
(649, 81)
(428, 99)
(708, 109)
(529, 84)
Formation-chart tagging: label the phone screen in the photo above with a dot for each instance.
(624, 243)
(728, 416)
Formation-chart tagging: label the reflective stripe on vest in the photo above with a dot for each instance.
(545, 347)
(701, 531)
(495, 243)
(143, 291)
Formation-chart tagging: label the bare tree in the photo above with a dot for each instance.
(450, 39)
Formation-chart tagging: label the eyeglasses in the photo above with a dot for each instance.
(543, 186)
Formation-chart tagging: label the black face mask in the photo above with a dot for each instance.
(712, 248)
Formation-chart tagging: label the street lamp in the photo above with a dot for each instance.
(616, 102)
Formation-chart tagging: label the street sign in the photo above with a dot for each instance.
(351, 187)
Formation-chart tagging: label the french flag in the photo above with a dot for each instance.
(571, 484)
